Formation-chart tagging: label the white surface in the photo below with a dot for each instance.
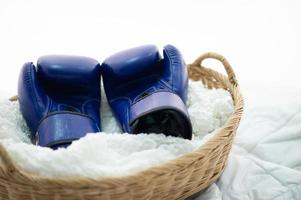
(110, 153)
(261, 39)
(265, 162)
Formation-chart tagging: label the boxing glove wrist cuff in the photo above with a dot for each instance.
(61, 128)
(160, 101)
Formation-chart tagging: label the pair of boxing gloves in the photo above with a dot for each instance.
(60, 97)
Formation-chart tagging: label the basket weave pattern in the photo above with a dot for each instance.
(175, 179)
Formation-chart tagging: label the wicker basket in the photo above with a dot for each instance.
(175, 179)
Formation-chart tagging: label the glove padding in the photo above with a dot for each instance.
(60, 99)
(147, 93)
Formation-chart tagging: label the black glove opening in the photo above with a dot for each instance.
(166, 121)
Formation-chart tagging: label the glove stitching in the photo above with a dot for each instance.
(33, 91)
(170, 66)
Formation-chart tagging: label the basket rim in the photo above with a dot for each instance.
(14, 171)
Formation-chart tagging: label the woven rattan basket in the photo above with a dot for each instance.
(176, 179)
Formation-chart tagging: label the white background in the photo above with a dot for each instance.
(261, 39)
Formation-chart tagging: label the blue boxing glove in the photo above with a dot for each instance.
(148, 93)
(60, 99)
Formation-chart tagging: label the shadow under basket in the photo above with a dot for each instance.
(175, 179)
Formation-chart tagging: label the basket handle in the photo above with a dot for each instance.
(223, 60)
(14, 98)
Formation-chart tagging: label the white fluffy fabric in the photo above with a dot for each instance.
(111, 153)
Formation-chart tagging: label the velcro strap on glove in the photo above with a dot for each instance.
(161, 101)
(62, 128)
